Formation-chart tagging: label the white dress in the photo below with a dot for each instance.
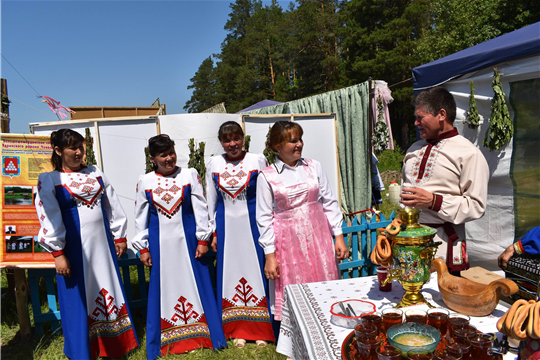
(241, 286)
(171, 219)
(82, 218)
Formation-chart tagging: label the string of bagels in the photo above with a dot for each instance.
(522, 321)
(382, 253)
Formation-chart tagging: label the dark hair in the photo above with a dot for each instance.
(229, 128)
(434, 99)
(62, 139)
(281, 132)
(159, 144)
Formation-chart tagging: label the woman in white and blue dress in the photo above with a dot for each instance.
(231, 184)
(171, 220)
(84, 226)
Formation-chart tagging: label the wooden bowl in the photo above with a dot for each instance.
(469, 297)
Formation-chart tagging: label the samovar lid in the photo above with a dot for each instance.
(413, 230)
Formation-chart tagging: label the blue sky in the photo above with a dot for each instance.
(105, 53)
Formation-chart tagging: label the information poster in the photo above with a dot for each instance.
(24, 157)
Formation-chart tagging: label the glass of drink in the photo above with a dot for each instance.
(374, 318)
(464, 332)
(382, 274)
(419, 355)
(391, 317)
(438, 318)
(416, 315)
(479, 348)
(446, 355)
(457, 319)
(388, 352)
(366, 332)
(462, 344)
(367, 349)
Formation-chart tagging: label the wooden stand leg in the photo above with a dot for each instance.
(21, 295)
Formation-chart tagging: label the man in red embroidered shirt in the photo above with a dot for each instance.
(444, 175)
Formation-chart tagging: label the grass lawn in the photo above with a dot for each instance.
(50, 346)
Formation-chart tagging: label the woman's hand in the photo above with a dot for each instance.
(271, 269)
(342, 252)
(120, 248)
(146, 259)
(201, 250)
(214, 244)
(63, 267)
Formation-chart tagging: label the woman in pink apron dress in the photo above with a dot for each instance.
(297, 214)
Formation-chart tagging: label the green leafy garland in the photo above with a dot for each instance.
(196, 160)
(247, 141)
(149, 167)
(90, 157)
(473, 118)
(380, 136)
(269, 154)
(500, 129)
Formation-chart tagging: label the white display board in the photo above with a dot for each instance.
(201, 127)
(120, 143)
(320, 140)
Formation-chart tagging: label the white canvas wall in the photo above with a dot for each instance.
(201, 127)
(320, 141)
(490, 235)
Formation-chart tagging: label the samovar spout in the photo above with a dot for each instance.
(393, 274)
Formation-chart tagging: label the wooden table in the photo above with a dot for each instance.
(306, 328)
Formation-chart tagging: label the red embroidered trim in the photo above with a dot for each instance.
(424, 162)
(57, 253)
(73, 171)
(121, 240)
(202, 242)
(142, 251)
(175, 170)
(237, 159)
(214, 234)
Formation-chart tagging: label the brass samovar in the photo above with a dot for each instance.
(412, 251)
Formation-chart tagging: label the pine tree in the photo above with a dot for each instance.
(204, 88)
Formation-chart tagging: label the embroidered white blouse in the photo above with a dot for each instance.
(266, 205)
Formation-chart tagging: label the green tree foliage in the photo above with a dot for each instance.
(314, 46)
(90, 158)
(247, 142)
(269, 154)
(204, 88)
(500, 129)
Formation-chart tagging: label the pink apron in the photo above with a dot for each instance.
(303, 240)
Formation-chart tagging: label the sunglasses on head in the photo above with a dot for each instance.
(154, 138)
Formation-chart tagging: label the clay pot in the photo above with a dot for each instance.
(469, 297)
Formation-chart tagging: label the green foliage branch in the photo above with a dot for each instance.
(247, 142)
(500, 129)
(473, 118)
(196, 160)
(269, 154)
(90, 157)
(380, 136)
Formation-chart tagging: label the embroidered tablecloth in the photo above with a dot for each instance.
(307, 333)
